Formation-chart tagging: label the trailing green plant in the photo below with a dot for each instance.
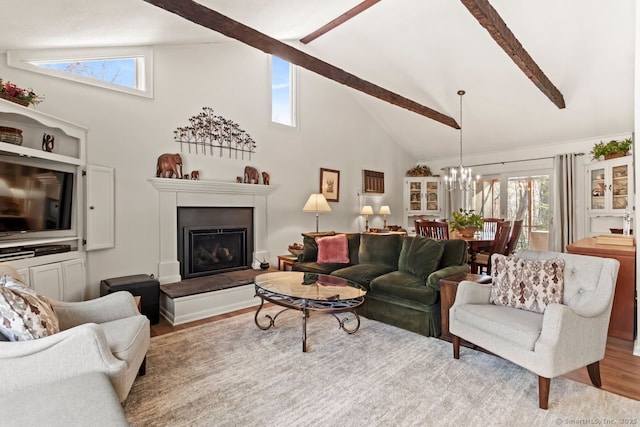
(611, 147)
(419, 170)
(465, 218)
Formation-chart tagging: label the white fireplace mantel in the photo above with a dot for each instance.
(174, 193)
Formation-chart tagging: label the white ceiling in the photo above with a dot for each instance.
(424, 50)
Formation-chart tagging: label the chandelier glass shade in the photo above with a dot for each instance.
(459, 178)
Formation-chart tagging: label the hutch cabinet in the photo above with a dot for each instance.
(609, 186)
(51, 260)
(422, 199)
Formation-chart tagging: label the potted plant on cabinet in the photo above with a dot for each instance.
(611, 149)
(466, 222)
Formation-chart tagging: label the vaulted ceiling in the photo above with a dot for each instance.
(424, 50)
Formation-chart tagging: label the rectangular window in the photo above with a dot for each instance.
(283, 82)
(122, 69)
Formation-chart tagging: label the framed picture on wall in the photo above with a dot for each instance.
(372, 182)
(330, 184)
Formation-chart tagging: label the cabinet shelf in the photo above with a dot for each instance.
(32, 152)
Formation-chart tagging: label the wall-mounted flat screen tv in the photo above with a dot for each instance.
(34, 198)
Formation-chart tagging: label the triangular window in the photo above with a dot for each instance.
(123, 69)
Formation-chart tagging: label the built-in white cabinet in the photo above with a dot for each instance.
(60, 281)
(610, 191)
(51, 260)
(422, 199)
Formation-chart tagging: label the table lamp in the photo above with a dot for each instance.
(366, 211)
(384, 211)
(316, 203)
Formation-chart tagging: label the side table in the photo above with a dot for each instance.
(448, 290)
(285, 262)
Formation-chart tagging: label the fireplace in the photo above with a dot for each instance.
(179, 193)
(214, 240)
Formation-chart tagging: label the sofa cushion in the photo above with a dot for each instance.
(362, 274)
(353, 240)
(310, 246)
(404, 252)
(526, 284)
(421, 257)
(333, 249)
(455, 253)
(25, 315)
(520, 327)
(86, 399)
(380, 249)
(315, 267)
(122, 336)
(404, 285)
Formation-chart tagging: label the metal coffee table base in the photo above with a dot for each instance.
(306, 306)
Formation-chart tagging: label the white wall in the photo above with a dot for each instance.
(129, 132)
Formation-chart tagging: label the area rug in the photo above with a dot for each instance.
(230, 373)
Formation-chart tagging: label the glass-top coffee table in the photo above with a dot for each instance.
(308, 292)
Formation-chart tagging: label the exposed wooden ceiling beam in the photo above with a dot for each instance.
(215, 21)
(493, 23)
(339, 20)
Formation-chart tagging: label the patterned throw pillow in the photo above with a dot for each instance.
(527, 284)
(24, 315)
(333, 249)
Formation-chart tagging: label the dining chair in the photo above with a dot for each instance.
(516, 229)
(433, 229)
(499, 246)
(489, 225)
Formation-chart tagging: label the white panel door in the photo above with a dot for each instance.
(47, 280)
(74, 276)
(100, 211)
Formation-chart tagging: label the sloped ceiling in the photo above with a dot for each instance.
(425, 50)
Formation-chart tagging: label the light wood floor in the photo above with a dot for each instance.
(620, 369)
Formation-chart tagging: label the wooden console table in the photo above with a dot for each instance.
(448, 290)
(623, 311)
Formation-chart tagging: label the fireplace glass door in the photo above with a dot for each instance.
(214, 250)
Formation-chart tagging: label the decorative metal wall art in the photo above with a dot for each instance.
(208, 133)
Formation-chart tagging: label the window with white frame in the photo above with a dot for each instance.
(283, 92)
(126, 69)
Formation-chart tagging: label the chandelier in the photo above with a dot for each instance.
(459, 178)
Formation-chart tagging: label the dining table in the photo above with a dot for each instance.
(479, 242)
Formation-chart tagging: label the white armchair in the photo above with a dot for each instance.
(106, 335)
(565, 337)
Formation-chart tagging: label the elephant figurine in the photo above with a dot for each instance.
(169, 166)
(251, 175)
(195, 175)
(266, 178)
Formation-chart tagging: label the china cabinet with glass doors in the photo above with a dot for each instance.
(422, 200)
(609, 186)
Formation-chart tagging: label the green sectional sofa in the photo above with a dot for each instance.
(401, 275)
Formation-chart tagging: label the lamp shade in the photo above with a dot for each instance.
(366, 210)
(384, 210)
(316, 203)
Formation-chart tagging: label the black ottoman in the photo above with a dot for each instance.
(142, 285)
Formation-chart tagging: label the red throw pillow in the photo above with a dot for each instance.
(333, 249)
